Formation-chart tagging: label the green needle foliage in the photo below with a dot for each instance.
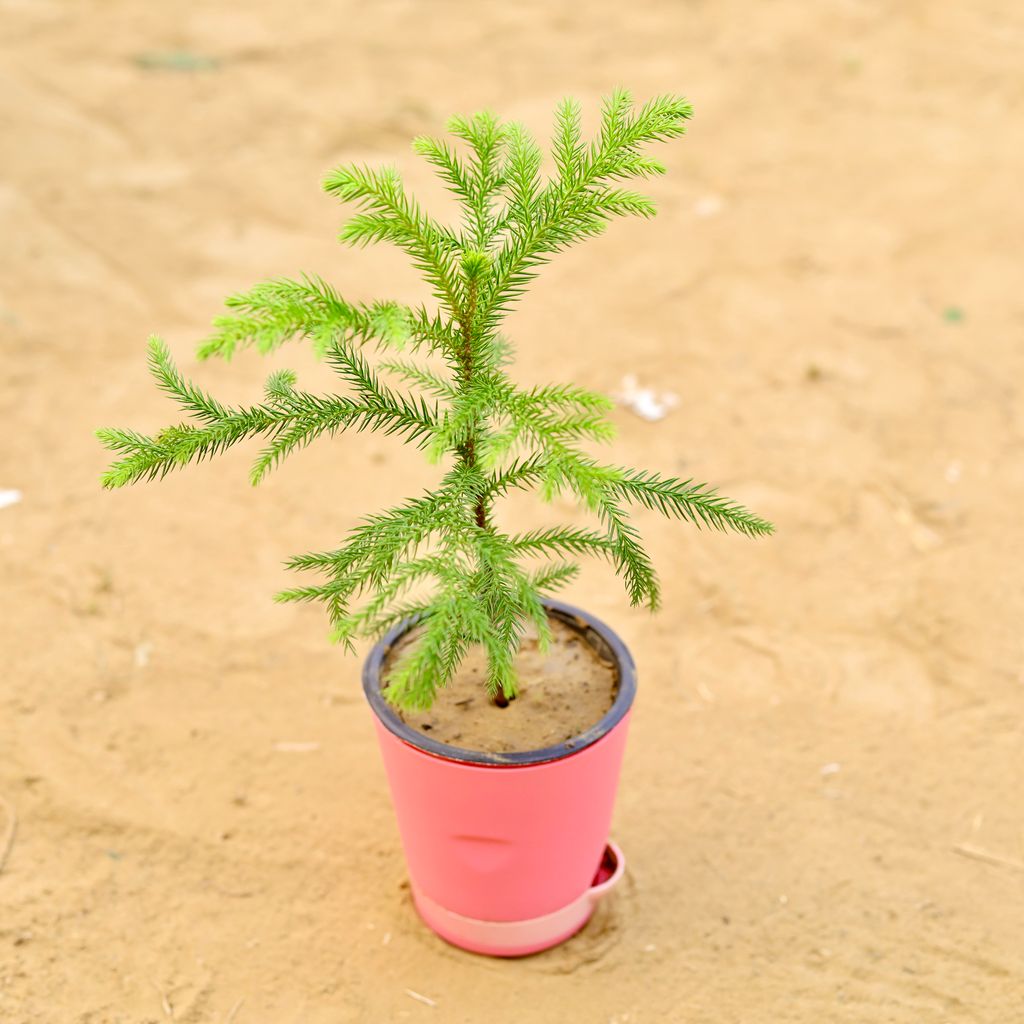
(491, 435)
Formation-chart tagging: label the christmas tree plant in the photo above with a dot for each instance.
(441, 556)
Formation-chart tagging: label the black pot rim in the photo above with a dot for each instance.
(575, 617)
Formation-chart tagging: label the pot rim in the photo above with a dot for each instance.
(574, 616)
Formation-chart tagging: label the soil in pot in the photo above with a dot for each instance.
(562, 693)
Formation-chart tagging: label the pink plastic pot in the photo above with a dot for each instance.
(508, 854)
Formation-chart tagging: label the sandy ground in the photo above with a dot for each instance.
(822, 800)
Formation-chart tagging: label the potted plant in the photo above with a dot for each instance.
(501, 712)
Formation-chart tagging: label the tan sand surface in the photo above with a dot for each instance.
(822, 800)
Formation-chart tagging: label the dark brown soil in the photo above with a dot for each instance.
(562, 693)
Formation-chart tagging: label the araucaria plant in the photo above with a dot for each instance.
(461, 408)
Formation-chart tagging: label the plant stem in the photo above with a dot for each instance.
(466, 358)
(469, 449)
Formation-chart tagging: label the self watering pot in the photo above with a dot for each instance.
(508, 854)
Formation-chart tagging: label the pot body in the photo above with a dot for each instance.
(505, 852)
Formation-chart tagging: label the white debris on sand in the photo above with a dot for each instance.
(647, 403)
(708, 206)
(419, 997)
(9, 497)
